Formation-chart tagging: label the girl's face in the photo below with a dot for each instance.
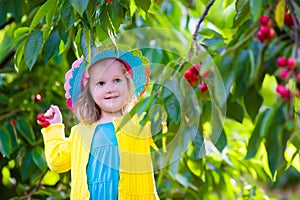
(109, 87)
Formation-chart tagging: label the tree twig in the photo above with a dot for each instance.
(296, 27)
(202, 18)
(36, 186)
(194, 42)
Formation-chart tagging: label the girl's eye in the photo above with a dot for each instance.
(100, 83)
(117, 80)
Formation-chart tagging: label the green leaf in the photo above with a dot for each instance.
(256, 138)
(255, 8)
(27, 166)
(173, 108)
(235, 111)
(209, 33)
(47, 9)
(67, 15)
(25, 130)
(242, 12)
(276, 139)
(143, 4)
(51, 46)
(33, 47)
(5, 142)
(51, 178)
(228, 74)
(222, 141)
(252, 101)
(21, 31)
(79, 5)
(39, 159)
(241, 65)
(268, 120)
(51, 11)
(19, 54)
(199, 148)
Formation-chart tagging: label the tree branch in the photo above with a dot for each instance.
(194, 42)
(11, 20)
(296, 27)
(202, 18)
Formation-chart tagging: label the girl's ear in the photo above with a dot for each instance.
(84, 80)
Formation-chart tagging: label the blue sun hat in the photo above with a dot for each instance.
(134, 61)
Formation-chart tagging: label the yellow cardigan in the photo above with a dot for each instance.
(72, 153)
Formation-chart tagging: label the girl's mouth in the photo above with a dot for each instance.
(111, 97)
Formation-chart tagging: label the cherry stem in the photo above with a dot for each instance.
(198, 25)
(296, 27)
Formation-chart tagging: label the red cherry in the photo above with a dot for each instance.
(45, 124)
(281, 61)
(266, 31)
(283, 92)
(291, 63)
(203, 87)
(272, 33)
(264, 20)
(288, 19)
(187, 74)
(298, 77)
(41, 117)
(108, 1)
(260, 36)
(284, 73)
(38, 98)
(280, 88)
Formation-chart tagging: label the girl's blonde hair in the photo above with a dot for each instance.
(87, 111)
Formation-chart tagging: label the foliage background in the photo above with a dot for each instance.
(257, 153)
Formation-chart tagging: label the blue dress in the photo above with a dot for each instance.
(103, 165)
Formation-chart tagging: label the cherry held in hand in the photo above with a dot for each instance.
(41, 120)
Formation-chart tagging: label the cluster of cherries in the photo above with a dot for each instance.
(288, 71)
(42, 120)
(192, 76)
(288, 65)
(266, 31)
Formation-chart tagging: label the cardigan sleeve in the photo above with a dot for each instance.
(57, 148)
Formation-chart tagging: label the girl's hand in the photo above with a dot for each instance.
(52, 116)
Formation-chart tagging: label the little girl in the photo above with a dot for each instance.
(107, 161)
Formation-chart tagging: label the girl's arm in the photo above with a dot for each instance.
(57, 146)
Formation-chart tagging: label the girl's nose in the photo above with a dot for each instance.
(110, 87)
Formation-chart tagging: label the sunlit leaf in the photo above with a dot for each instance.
(144, 4)
(51, 178)
(279, 13)
(242, 12)
(47, 9)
